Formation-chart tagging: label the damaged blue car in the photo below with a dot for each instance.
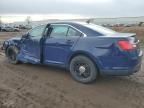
(86, 50)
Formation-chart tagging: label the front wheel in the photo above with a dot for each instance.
(11, 54)
(83, 69)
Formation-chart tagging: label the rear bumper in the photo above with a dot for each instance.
(124, 71)
(121, 72)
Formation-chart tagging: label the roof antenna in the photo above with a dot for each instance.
(89, 21)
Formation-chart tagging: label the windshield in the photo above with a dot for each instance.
(100, 29)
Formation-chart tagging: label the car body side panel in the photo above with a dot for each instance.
(102, 50)
(107, 56)
(30, 50)
(93, 47)
(56, 50)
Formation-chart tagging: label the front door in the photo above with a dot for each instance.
(59, 44)
(30, 49)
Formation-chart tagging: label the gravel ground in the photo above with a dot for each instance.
(36, 86)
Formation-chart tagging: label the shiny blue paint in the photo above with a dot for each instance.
(57, 49)
(102, 50)
(30, 50)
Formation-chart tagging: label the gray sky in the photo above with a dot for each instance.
(90, 8)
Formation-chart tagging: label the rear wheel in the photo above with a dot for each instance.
(11, 54)
(83, 69)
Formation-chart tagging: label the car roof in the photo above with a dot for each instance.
(80, 26)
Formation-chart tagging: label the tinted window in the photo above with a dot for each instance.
(37, 32)
(59, 31)
(100, 29)
(73, 32)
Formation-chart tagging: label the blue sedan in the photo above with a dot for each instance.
(85, 49)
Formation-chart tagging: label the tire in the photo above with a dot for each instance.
(83, 69)
(11, 53)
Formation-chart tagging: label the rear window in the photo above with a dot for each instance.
(100, 29)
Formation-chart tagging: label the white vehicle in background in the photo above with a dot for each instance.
(10, 29)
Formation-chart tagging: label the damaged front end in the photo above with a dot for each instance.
(11, 42)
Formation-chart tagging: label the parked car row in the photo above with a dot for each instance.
(14, 28)
(122, 25)
(9, 29)
(25, 27)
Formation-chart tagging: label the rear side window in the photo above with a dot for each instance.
(73, 32)
(100, 29)
(59, 31)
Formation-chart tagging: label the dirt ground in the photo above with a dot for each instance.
(36, 86)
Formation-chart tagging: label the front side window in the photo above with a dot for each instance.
(59, 31)
(37, 32)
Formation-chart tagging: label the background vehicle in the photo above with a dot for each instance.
(27, 27)
(87, 50)
(10, 29)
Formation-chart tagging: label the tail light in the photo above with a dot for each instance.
(126, 45)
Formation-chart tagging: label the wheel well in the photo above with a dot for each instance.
(11, 46)
(6, 50)
(83, 54)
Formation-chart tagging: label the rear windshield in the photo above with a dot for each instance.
(100, 29)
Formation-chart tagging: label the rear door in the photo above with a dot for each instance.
(59, 44)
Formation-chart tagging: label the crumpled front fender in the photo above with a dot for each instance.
(11, 42)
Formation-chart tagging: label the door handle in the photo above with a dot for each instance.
(69, 42)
